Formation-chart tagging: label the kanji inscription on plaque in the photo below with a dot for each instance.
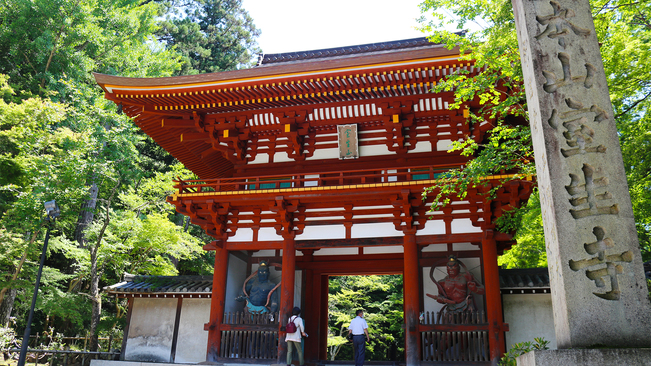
(348, 143)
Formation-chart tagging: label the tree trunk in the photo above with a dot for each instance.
(86, 215)
(96, 311)
(95, 275)
(7, 305)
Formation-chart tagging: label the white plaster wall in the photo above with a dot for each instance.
(268, 234)
(151, 330)
(378, 230)
(529, 316)
(384, 249)
(443, 145)
(429, 287)
(432, 227)
(422, 146)
(435, 248)
(264, 253)
(242, 234)
(281, 157)
(192, 342)
(318, 232)
(461, 226)
(459, 247)
(234, 280)
(374, 150)
(336, 251)
(260, 159)
(320, 154)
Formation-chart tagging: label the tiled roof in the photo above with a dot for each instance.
(530, 280)
(169, 285)
(527, 280)
(276, 58)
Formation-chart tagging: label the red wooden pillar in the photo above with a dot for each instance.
(411, 296)
(217, 304)
(309, 309)
(324, 288)
(286, 292)
(496, 326)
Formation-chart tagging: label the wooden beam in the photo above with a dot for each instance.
(422, 240)
(177, 123)
(360, 267)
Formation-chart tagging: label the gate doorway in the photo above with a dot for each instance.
(381, 299)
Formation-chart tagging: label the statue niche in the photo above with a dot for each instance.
(456, 289)
(260, 294)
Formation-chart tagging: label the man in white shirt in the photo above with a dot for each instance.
(359, 329)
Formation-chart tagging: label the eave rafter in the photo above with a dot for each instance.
(324, 87)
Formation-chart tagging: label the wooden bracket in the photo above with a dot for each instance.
(295, 126)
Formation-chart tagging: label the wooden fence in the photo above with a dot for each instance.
(249, 336)
(451, 337)
(62, 357)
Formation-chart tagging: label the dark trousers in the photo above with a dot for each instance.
(359, 349)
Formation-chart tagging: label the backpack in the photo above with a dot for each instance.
(291, 327)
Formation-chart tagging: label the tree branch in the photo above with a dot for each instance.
(633, 105)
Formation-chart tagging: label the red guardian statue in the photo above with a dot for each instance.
(456, 289)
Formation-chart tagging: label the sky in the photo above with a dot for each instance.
(303, 25)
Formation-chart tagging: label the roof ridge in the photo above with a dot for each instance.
(274, 58)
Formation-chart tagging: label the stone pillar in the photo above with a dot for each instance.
(217, 304)
(286, 292)
(496, 326)
(598, 288)
(411, 280)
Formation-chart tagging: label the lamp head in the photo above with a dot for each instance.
(52, 209)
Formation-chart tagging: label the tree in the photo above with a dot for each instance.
(59, 135)
(381, 299)
(61, 139)
(530, 251)
(624, 32)
(211, 35)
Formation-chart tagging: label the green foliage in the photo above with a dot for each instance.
(59, 136)
(211, 35)
(43, 40)
(507, 148)
(622, 28)
(381, 299)
(518, 349)
(530, 251)
(7, 338)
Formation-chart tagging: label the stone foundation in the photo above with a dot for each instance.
(587, 357)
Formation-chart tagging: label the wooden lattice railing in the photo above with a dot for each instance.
(367, 176)
(253, 336)
(454, 337)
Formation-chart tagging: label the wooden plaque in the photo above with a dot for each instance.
(348, 144)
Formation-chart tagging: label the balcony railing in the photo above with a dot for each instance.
(329, 179)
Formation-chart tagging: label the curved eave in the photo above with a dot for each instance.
(149, 101)
(111, 83)
(213, 167)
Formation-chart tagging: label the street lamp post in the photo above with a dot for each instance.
(52, 214)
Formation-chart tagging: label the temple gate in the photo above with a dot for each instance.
(314, 162)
